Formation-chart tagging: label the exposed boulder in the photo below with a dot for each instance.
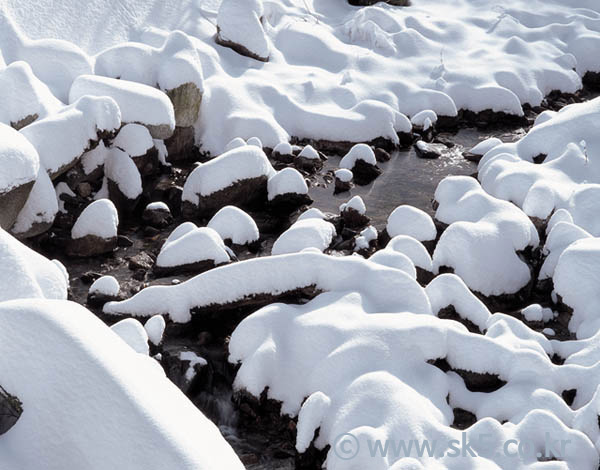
(362, 162)
(353, 213)
(136, 141)
(287, 191)
(343, 181)
(95, 231)
(157, 214)
(124, 181)
(11, 409)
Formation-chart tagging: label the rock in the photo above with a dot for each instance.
(157, 214)
(364, 173)
(124, 241)
(362, 162)
(382, 155)
(95, 231)
(429, 151)
(343, 181)
(308, 160)
(124, 181)
(283, 153)
(11, 203)
(181, 145)
(136, 141)
(11, 409)
(287, 191)
(104, 289)
(141, 261)
(84, 189)
(91, 245)
(186, 100)
(354, 219)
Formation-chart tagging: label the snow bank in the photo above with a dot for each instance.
(30, 274)
(20, 160)
(117, 406)
(184, 247)
(409, 220)
(100, 218)
(286, 181)
(275, 275)
(238, 164)
(305, 233)
(62, 137)
(239, 26)
(138, 103)
(234, 224)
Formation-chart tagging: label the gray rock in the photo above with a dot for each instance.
(186, 101)
(11, 409)
(91, 245)
(11, 203)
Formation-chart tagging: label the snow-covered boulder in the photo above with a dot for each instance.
(38, 213)
(238, 177)
(19, 167)
(124, 180)
(191, 249)
(27, 274)
(62, 137)
(308, 159)
(423, 122)
(117, 406)
(235, 143)
(95, 231)
(283, 152)
(362, 162)
(239, 27)
(139, 103)
(305, 233)
(409, 220)
(235, 225)
(366, 240)
(155, 327)
(24, 97)
(157, 214)
(483, 147)
(104, 289)
(136, 140)
(485, 235)
(134, 334)
(343, 180)
(287, 191)
(576, 280)
(354, 213)
(255, 141)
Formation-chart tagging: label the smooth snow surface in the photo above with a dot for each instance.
(358, 152)
(305, 233)
(155, 327)
(41, 206)
(187, 246)
(286, 181)
(105, 285)
(117, 406)
(234, 224)
(239, 21)
(134, 139)
(120, 168)
(356, 203)
(133, 333)
(19, 159)
(409, 220)
(100, 218)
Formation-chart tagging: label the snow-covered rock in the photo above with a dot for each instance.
(133, 333)
(155, 327)
(283, 152)
(362, 162)
(343, 180)
(19, 167)
(239, 27)
(157, 214)
(123, 179)
(232, 223)
(117, 405)
(305, 233)
(27, 274)
(95, 231)
(365, 238)
(409, 220)
(354, 212)
(191, 249)
(237, 177)
(308, 159)
(138, 103)
(287, 190)
(104, 289)
(136, 140)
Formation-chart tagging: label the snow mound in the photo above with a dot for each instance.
(190, 246)
(100, 218)
(19, 159)
(412, 248)
(62, 137)
(105, 285)
(309, 153)
(133, 333)
(134, 139)
(344, 175)
(358, 152)
(356, 203)
(234, 224)
(396, 260)
(409, 220)
(255, 141)
(120, 168)
(485, 146)
(60, 189)
(31, 275)
(483, 238)
(95, 158)
(305, 233)
(138, 103)
(239, 26)
(113, 394)
(286, 181)
(364, 239)
(155, 327)
(275, 275)
(235, 165)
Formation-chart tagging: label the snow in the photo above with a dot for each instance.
(138, 103)
(344, 175)
(309, 153)
(424, 119)
(483, 238)
(394, 259)
(286, 181)
(358, 152)
(192, 246)
(94, 158)
(41, 206)
(234, 165)
(239, 21)
(158, 206)
(409, 220)
(277, 274)
(31, 275)
(535, 312)
(235, 143)
(105, 285)
(117, 406)
(485, 146)
(20, 160)
(313, 212)
(155, 328)
(305, 233)
(365, 237)
(412, 248)
(283, 148)
(61, 138)
(194, 360)
(234, 224)
(134, 139)
(133, 333)
(576, 280)
(255, 141)
(356, 203)
(62, 188)
(120, 168)
(100, 218)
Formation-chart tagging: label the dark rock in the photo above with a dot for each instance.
(89, 277)
(97, 300)
(285, 204)
(151, 232)
(310, 165)
(158, 218)
(124, 241)
(472, 157)
(186, 100)
(147, 164)
(282, 158)
(124, 205)
(365, 172)
(354, 219)
(84, 189)
(431, 151)
(382, 155)
(91, 245)
(342, 186)
(11, 203)
(181, 146)
(141, 261)
(239, 48)
(190, 268)
(139, 275)
(11, 409)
